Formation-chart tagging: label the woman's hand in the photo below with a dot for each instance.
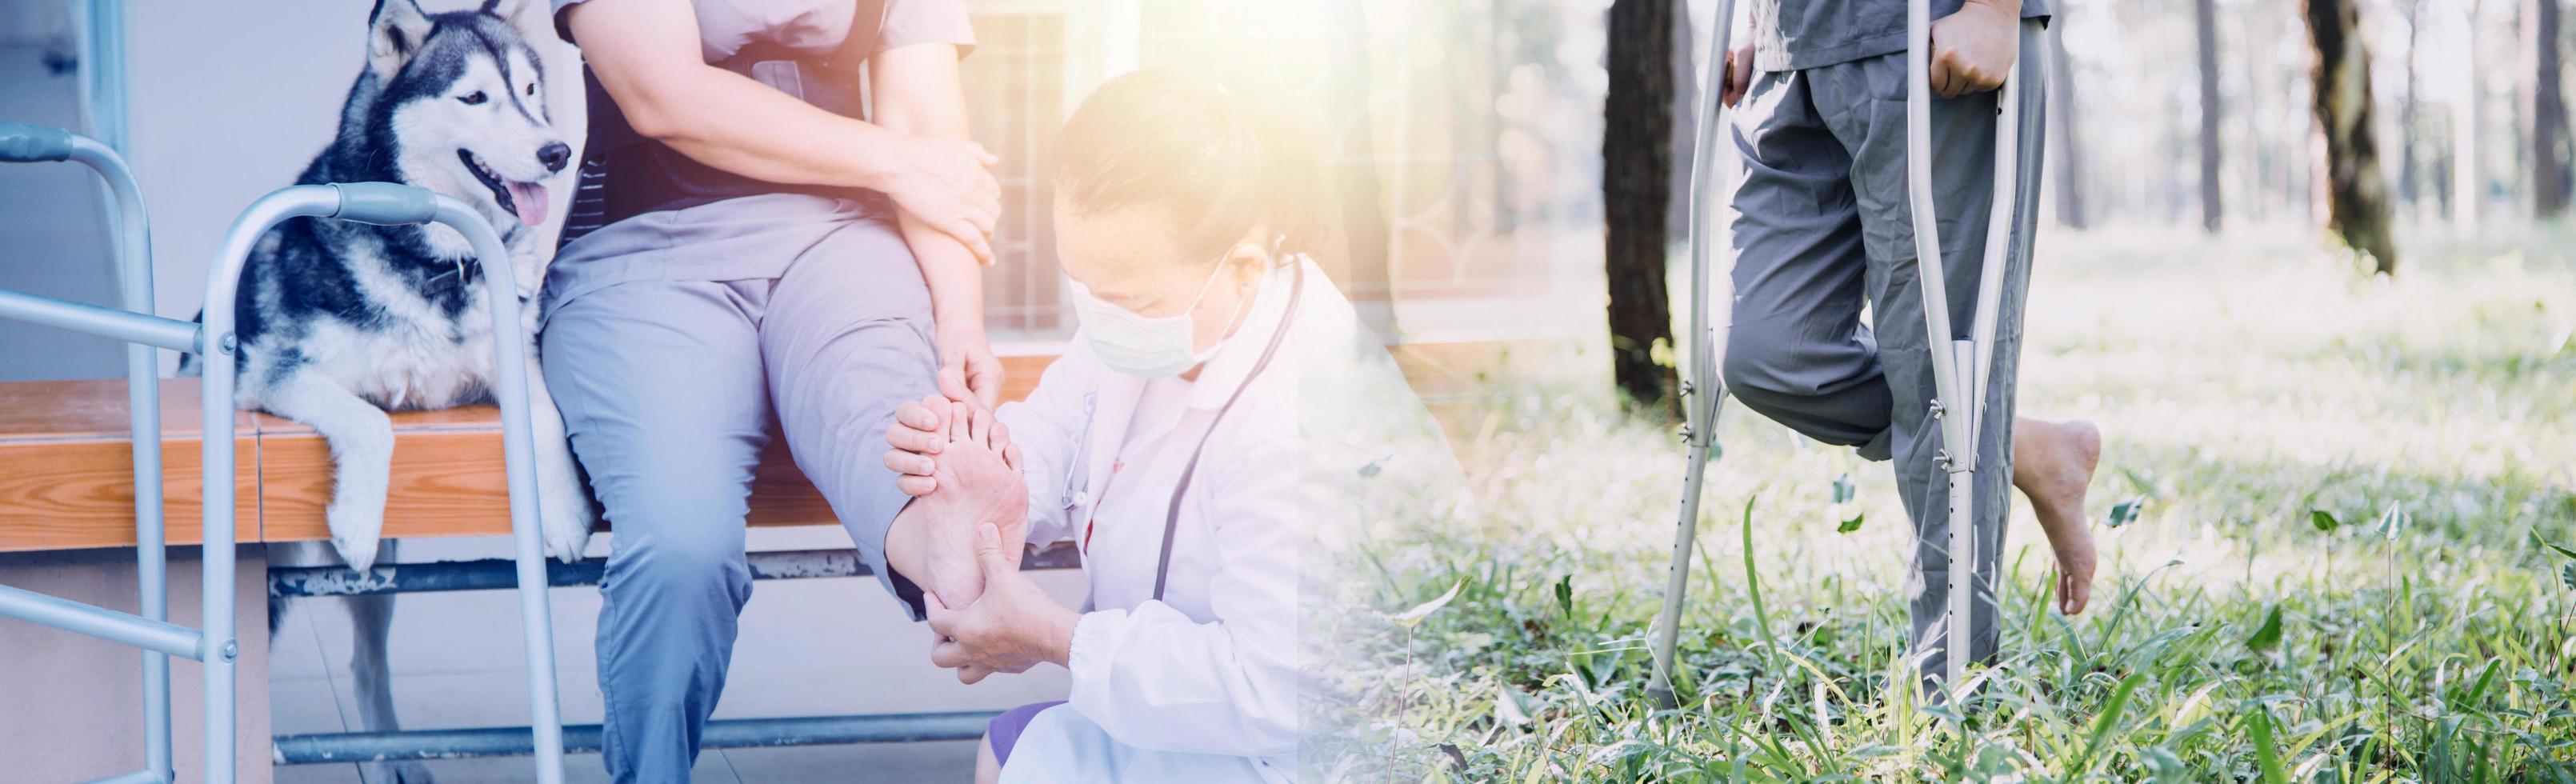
(1739, 73)
(1012, 627)
(1973, 49)
(948, 184)
(967, 368)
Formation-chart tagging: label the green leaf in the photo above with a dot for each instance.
(2535, 539)
(1844, 491)
(2108, 718)
(2267, 636)
(2142, 485)
(1850, 525)
(2394, 520)
(2323, 520)
(2568, 576)
(1507, 705)
(2125, 512)
(2266, 753)
(1424, 610)
(1565, 595)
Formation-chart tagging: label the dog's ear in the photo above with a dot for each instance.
(394, 33)
(528, 16)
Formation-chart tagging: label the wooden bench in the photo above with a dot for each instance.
(66, 470)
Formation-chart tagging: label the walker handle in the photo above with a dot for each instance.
(24, 143)
(384, 203)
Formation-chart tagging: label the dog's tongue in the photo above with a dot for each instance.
(530, 198)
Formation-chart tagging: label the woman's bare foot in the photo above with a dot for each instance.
(2053, 464)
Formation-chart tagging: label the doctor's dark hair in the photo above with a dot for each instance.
(1213, 165)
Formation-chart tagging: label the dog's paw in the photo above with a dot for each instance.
(564, 517)
(356, 530)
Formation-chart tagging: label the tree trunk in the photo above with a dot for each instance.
(2544, 107)
(2356, 194)
(2409, 190)
(1636, 191)
(2066, 151)
(1685, 116)
(2468, 177)
(2210, 207)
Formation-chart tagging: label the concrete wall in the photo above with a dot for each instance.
(75, 702)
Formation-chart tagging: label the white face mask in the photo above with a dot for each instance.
(1143, 346)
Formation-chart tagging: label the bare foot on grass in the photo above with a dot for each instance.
(2053, 464)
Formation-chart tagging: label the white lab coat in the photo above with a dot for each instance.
(1204, 685)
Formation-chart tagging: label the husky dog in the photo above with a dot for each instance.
(340, 322)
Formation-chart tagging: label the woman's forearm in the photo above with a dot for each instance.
(956, 282)
(918, 92)
(745, 127)
(645, 54)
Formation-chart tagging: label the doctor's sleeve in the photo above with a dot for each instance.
(1048, 427)
(1154, 678)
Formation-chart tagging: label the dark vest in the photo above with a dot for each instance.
(625, 174)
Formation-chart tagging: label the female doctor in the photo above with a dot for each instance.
(1195, 441)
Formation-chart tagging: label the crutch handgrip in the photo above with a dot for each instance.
(385, 203)
(24, 143)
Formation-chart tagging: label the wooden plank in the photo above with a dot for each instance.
(448, 481)
(67, 466)
(66, 476)
(83, 496)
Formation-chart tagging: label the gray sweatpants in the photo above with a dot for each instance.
(1822, 230)
(668, 386)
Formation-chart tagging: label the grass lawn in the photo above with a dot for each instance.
(2327, 563)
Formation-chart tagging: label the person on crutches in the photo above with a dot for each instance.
(1823, 231)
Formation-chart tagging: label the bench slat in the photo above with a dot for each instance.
(66, 465)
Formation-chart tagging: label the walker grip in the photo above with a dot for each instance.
(23, 143)
(384, 203)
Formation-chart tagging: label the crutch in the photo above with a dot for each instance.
(1958, 366)
(1700, 411)
(1702, 393)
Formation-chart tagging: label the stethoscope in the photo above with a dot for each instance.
(1172, 518)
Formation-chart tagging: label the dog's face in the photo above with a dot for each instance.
(463, 104)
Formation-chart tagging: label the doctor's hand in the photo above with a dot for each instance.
(1012, 627)
(1974, 48)
(976, 489)
(921, 429)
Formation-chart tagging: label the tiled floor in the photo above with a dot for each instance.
(808, 647)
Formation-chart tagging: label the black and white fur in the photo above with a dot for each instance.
(340, 322)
